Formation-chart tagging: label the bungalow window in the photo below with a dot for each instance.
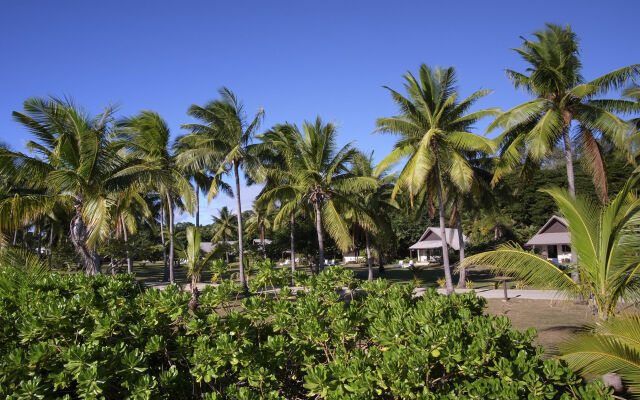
(566, 248)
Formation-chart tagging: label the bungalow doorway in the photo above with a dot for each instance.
(552, 251)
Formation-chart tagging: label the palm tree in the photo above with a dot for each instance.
(561, 97)
(130, 206)
(75, 169)
(194, 263)
(478, 195)
(202, 179)
(146, 137)
(434, 135)
(261, 221)
(224, 227)
(321, 177)
(278, 153)
(374, 205)
(605, 240)
(610, 347)
(224, 135)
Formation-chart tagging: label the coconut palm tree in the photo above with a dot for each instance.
(562, 99)
(609, 347)
(202, 179)
(605, 239)
(146, 136)
(224, 134)
(433, 126)
(194, 263)
(320, 177)
(129, 207)
(374, 204)
(74, 167)
(224, 227)
(278, 153)
(261, 221)
(478, 196)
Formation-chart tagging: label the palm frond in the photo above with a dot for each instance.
(511, 260)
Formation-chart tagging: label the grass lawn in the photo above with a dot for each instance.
(481, 278)
(554, 320)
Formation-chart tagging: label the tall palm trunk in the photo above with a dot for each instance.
(125, 237)
(50, 255)
(264, 250)
(79, 235)
(369, 258)
(380, 262)
(39, 243)
(568, 152)
(462, 279)
(443, 234)
(293, 246)
(197, 206)
(316, 207)
(171, 250)
(243, 280)
(165, 269)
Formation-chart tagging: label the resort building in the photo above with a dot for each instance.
(352, 256)
(428, 249)
(553, 241)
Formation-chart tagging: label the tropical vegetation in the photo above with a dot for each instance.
(106, 189)
(106, 337)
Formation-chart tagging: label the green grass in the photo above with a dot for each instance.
(481, 278)
(153, 272)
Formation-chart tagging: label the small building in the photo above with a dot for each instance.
(429, 247)
(258, 242)
(553, 241)
(352, 256)
(206, 247)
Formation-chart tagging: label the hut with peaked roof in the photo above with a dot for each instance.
(429, 246)
(553, 241)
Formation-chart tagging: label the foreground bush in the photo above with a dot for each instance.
(71, 336)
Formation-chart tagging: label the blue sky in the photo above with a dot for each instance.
(296, 59)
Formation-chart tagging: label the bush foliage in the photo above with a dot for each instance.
(70, 336)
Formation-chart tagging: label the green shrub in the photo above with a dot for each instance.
(106, 337)
(218, 268)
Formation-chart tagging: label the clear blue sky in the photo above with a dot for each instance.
(296, 59)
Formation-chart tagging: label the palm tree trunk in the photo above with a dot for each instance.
(171, 249)
(50, 255)
(264, 250)
(165, 269)
(197, 206)
(15, 237)
(443, 234)
(462, 279)
(39, 243)
(79, 235)
(243, 281)
(126, 240)
(369, 258)
(380, 262)
(293, 246)
(568, 152)
(316, 206)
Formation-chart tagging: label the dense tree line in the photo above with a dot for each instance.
(109, 186)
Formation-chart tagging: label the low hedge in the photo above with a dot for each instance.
(71, 336)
